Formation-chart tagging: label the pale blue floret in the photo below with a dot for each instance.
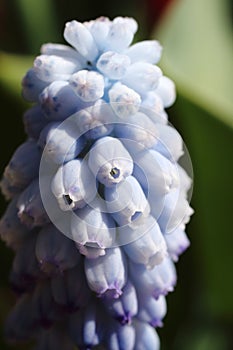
(91, 333)
(58, 101)
(31, 211)
(70, 290)
(12, 231)
(177, 242)
(107, 274)
(91, 227)
(120, 34)
(152, 106)
(32, 86)
(142, 77)
(151, 310)
(166, 90)
(147, 245)
(81, 39)
(50, 67)
(128, 22)
(74, 185)
(95, 121)
(34, 121)
(156, 183)
(119, 337)
(124, 101)
(64, 51)
(125, 307)
(8, 190)
(88, 85)
(126, 201)
(55, 252)
(145, 336)
(185, 182)
(139, 129)
(109, 161)
(61, 142)
(145, 51)
(99, 29)
(113, 65)
(85, 327)
(157, 281)
(176, 211)
(24, 165)
(170, 143)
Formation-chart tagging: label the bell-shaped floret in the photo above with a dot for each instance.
(126, 201)
(59, 101)
(107, 274)
(119, 337)
(34, 121)
(109, 161)
(94, 228)
(142, 77)
(120, 34)
(95, 121)
(99, 29)
(125, 307)
(170, 143)
(123, 100)
(147, 245)
(61, 142)
(167, 91)
(157, 281)
(49, 68)
(63, 51)
(55, 252)
(113, 65)
(88, 85)
(31, 211)
(177, 242)
(85, 326)
(176, 211)
(12, 231)
(70, 290)
(145, 336)
(157, 176)
(32, 86)
(151, 310)
(152, 106)
(24, 165)
(145, 51)
(138, 132)
(74, 185)
(81, 39)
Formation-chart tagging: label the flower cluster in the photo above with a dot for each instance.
(98, 201)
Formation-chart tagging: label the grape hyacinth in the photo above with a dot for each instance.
(98, 201)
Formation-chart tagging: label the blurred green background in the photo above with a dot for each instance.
(198, 55)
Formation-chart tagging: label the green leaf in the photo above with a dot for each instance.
(198, 54)
(13, 68)
(38, 19)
